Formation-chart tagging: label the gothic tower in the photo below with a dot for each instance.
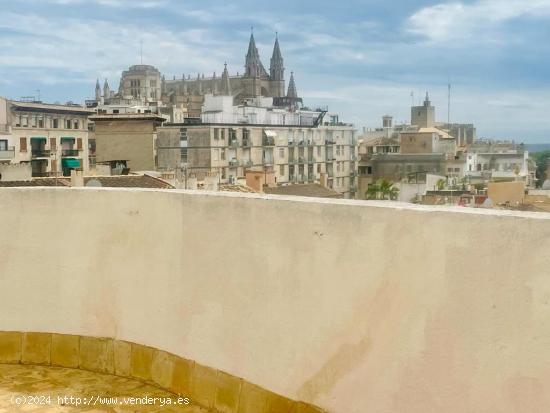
(106, 90)
(253, 65)
(97, 91)
(277, 71)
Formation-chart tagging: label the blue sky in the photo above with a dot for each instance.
(361, 58)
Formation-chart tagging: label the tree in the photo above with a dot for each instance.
(441, 184)
(372, 191)
(541, 159)
(382, 189)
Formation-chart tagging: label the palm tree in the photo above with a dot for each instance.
(382, 189)
(372, 191)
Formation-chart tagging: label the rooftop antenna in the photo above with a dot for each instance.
(449, 106)
(38, 92)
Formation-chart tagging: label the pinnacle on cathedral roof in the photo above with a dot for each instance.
(292, 92)
(226, 85)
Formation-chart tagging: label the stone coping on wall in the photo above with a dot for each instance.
(395, 205)
(204, 386)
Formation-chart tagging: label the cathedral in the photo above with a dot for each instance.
(145, 83)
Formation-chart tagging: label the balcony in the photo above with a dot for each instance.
(40, 153)
(70, 152)
(234, 163)
(234, 143)
(8, 153)
(268, 141)
(247, 143)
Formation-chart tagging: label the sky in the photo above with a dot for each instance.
(361, 58)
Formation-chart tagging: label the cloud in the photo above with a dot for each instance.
(143, 4)
(459, 21)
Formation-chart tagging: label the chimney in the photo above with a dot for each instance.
(77, 178)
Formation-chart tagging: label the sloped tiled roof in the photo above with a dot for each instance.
(120, 181)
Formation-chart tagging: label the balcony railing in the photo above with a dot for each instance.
(40, 153)
(234, 143)
(268, 141)
(233, 162)
(8, 153)
(69, 152)
(41, 174)
(247, 143)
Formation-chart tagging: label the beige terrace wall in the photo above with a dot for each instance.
(348, 305)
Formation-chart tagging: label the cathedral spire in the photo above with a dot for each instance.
(253, 65)
(277, 70)
(106, 90)
(292, 93)
(226, 85)
(97, 90)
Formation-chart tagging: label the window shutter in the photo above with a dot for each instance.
(23, 144)
(79, 144)
(54, 165)
(53, 144)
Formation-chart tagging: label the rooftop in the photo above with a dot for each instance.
(119, 181)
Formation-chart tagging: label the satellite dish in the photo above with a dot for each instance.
(94, 183)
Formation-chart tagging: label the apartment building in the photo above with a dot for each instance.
(127, 139)
(51, 138)
(298, 146)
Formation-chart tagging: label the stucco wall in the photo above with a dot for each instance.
(354, 307)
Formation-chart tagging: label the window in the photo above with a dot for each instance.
(223, 134)
(318, 168)
(55, 123)
(369, 170)
(281, 170)
(23, 144)
(232, 135)
(18, 120)
(67, 124)
(3, 145)
(75, 124)
(33, 121)
(246, 133)
(318, 151)
(24, 121)
(281, 153)
(183, 145)
(223, 154)
(40, 122)
(216, 133)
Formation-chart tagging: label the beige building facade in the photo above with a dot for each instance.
(294, 154)
(128, 139)
(52, 139)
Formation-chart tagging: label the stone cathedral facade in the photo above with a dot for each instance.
(145, 83)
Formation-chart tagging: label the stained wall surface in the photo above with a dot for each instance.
(353, 306)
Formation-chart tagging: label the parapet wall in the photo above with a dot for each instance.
(351, 306)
